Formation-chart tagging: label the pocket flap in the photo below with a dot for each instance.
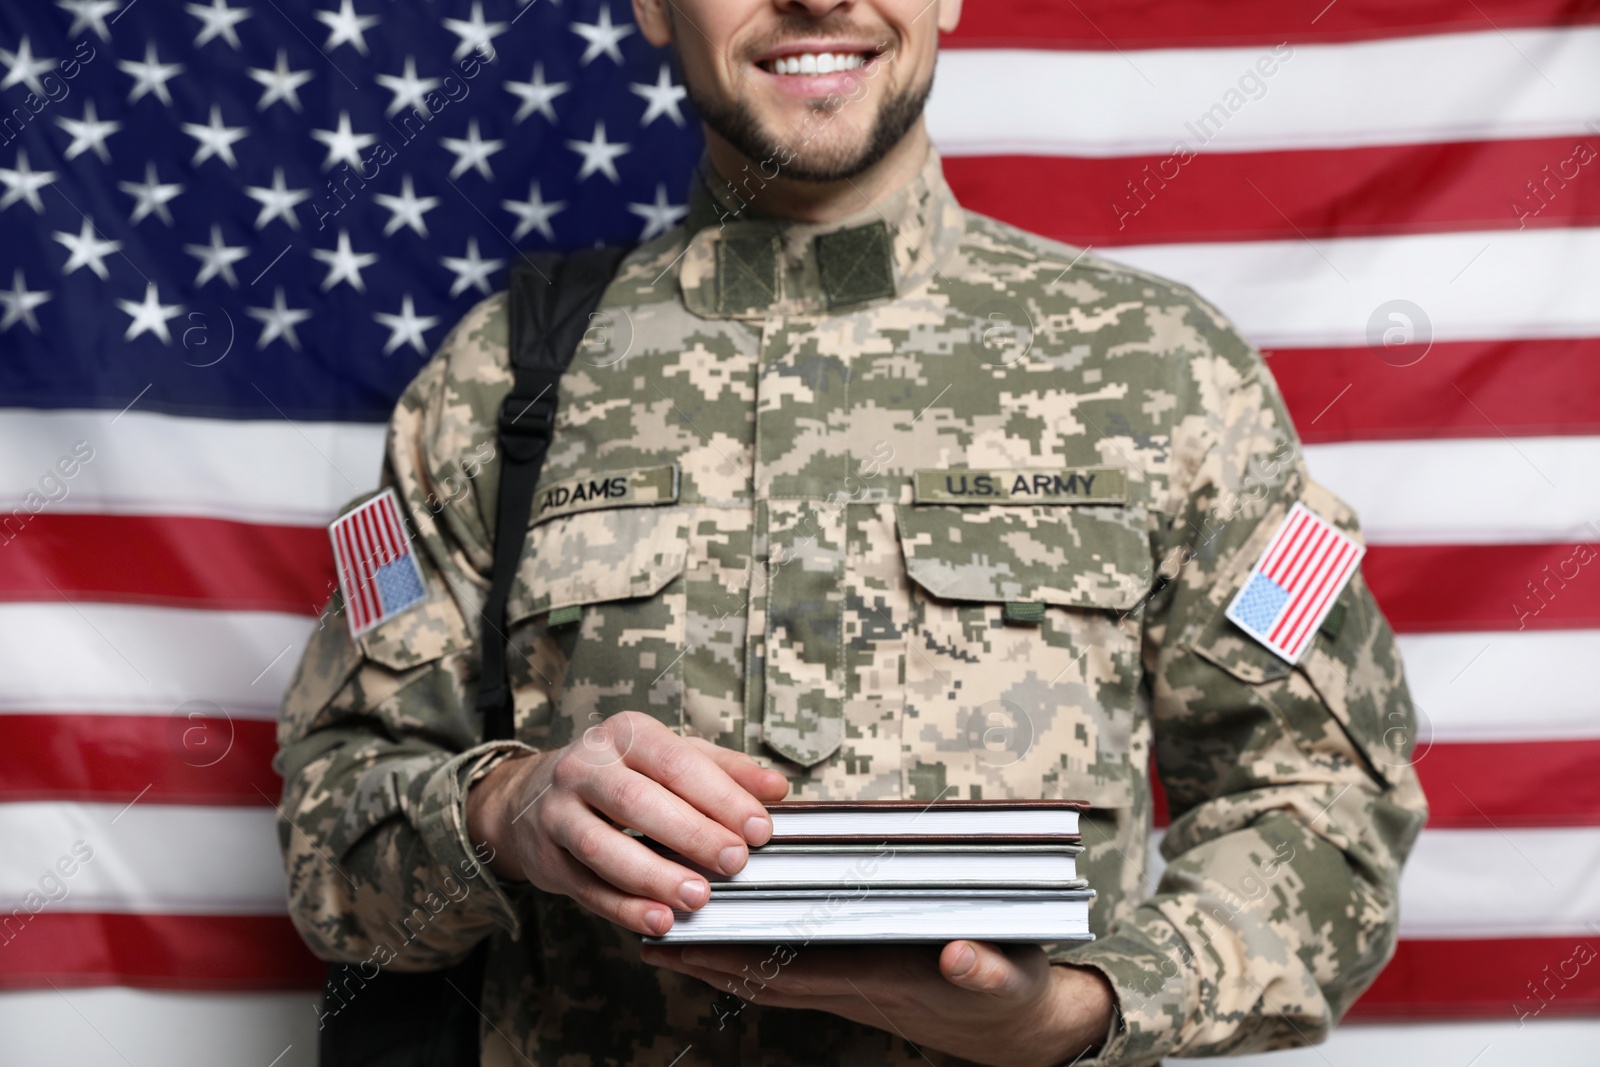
(1078, 557)
(587, 557)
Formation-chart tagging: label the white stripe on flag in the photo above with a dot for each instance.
(1480, 686)
(165, 858)
(112, 1027)
(207, 860)
(1471, 285)
(1447, 87)
(1487, 490)
(1457, 883)
(250, 470)
(134, 659)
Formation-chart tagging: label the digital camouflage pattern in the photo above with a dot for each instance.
(754, 558)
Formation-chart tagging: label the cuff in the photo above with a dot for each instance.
(442, 822)
(1149, 967)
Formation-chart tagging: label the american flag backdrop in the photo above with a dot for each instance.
(231, 231)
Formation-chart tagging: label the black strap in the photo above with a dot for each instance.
(551, 300)
(423, 1020)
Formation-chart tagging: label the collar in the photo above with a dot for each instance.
(741, 264)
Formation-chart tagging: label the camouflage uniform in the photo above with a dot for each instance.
(909, 505)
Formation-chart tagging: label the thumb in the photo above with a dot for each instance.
(982, 968)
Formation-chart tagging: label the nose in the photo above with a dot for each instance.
(815, 8)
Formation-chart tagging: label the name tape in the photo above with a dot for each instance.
(615, 489)
(1065, 485)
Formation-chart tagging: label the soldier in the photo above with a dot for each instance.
(860, 496)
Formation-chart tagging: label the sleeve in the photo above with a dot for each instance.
(1293, 800)
(378, 737)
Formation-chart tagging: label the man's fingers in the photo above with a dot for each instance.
(637, 914)
(635, 800)
(626, 864)
(983, 968)
(764, 784)
(690, 772)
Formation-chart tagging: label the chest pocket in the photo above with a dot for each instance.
(597, 615)
(1022, 680)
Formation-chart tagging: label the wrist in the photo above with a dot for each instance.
(490, 815)
(1084, 1006)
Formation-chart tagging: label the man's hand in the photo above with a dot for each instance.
(546, 818)
(973, 999)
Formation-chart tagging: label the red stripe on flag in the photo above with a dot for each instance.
(1516, 388)
(1331, 579)
(169, 560)
(1280, 548)
(1509, 783)
(208, 952)
(1284, 195)
(1492, 784)
(363, 565)
(349, 571)
(1508, 979)
(1420, 587)
(112, 758)
(1107, 24)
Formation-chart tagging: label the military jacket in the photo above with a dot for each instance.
(910, 505)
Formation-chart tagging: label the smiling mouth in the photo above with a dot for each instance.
(815, 63)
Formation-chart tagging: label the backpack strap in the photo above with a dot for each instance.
(550, 300)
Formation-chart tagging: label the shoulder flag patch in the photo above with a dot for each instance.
(1295, 582)
(378, 572)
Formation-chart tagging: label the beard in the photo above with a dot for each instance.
(737, 124)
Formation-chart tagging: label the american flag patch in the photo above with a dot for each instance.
(378, 572)
(1293, 585)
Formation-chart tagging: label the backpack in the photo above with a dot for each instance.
(430, 1019)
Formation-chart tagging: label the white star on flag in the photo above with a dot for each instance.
(471, 271)
(662, 98)
(87, 249)
(475, 34)
(344, 144)
(23, 69)
(277, 202)
(151, 197)
(346, 27)
(345, 264)
(151, 76)
(603, 37)
(599, 155)
(150, 316)
(277, 321)
(218, 20)
(406, 209)
(215, 139)
(534, 213)
(660, 216)
(24, 183)
(89, 15)
(19, 304)
(217, 258)
(408, 89)
(406, 327)
(472, 153)
(88, 132)
(280, 83)
(536, 95)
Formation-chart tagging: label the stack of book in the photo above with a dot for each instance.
(893, 870)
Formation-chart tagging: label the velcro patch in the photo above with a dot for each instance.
(1294, 584)
(640, 487)
(1060, 485)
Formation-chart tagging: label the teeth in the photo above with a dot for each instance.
(818, 63)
